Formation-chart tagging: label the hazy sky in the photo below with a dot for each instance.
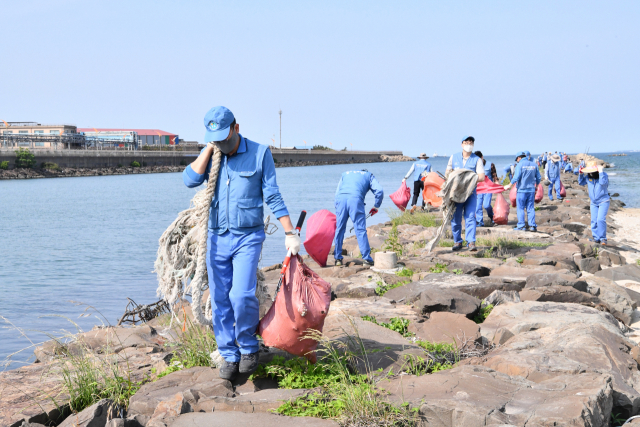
(415, 76)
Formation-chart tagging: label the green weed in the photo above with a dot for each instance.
(50, 166)
(520, 259)
(439, 268)
(507, 243)
(483, 313)
(135, 164)
(193, 347)
(424, 219)
(638, 261)
(445, 243)
(420, 244)
(405, 272)
(299, 373)
(392, 243)
(457, 271)
(382, 288)
(4, 165)
(398, 324)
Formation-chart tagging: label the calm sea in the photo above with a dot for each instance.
(94, 239)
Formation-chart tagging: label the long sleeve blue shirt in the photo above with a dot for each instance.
(526, 176)
(245, 181)
(598, 188)
(357, 184)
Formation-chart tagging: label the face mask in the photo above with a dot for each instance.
(228, 145)
(468, 148)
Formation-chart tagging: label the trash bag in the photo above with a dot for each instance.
(321, 230)
(489, 187)
(401, 197)
(500, 210)
(563, 192)
(539, 194)
(301, 305)
(432, 185)
(513, 195)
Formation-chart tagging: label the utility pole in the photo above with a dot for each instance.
(280, 112)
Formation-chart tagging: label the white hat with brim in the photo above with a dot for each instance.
(591, 167)
(555, 158)
(423, 156)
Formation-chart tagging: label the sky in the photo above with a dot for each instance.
(415, 76)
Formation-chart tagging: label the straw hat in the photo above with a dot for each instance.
(592, 166)
(555, 158)
(423, 156)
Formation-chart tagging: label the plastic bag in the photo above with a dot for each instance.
(432, 185)
(563, 192)
(489, 187)
(401, 197)
(500, 210)
(302, 304)
(513, 195)
(539, 193)
(321, 230)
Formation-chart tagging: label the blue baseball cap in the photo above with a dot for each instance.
(470, 138)
(521, 154)
(527, 153)
(217, 121)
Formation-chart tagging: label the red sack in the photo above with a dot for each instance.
(401, 197)
(432, 185)
(321, 230)
(489, 187)
(513, 195)
(302, 304)
(563, 192)
(500, 210)
(539, 193)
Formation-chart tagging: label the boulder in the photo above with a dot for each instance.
(446, 327)
(95, 415)
(428, 298)
(379, 307)
(558, 293)
(502, 297)
(625, 272)
(479, 287)
(590, 265)
(357, 286)
(478, 396)
(260, 401)
(225, 419)
(609, 257)
(468, 268)
(513, 273)
(618, 301)
(548, 279)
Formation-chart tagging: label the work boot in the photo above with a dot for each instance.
(229, 370)
(367, 263)
(533, 229)
(338, 263)
(456, 247)
(249, 363)
(413, 209)
(472, 247)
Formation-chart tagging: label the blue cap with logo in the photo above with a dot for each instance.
(468, 138)
(521, 154)
(217, 121)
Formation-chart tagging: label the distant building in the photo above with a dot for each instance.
(144, 136)
(35, 129)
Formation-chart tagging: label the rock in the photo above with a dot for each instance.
(193, 383)
(548, 279)
(618, 301)
(539, 261)
(625, 272)
(472, 269)
(429, 298)
(378, 307)
(385, 260)
(575, 227)
(478, 396)
(261, 401)
(557, 293)
(357, 286)
(446, 327)
(586, 249)
(169, 409)
(513, 273)
(608, 258)
(590, 265)
(479, 287)
(95, 415)
(226, 419)
(502, 297)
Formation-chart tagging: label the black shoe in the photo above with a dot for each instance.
(367, 263)
(533, 229)
(229, 370)
(457, 247)
(480, 225)
(338, 263)
(249, 363)
(519, 229)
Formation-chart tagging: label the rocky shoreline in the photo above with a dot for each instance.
(552, 320)
(34, 173)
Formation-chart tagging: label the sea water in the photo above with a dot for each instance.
(93, 240)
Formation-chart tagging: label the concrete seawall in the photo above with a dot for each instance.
(109, 159)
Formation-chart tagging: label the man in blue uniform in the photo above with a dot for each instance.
(508, 171)
(526, 178)
(552, 174)
(465, 160)
(597, 182)
(417, 169)
(484, 200)
(246, 180)
(352, 188)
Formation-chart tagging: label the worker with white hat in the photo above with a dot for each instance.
(552, 174)
(597, 182)
(418, 169)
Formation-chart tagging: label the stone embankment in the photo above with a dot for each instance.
(560, 346)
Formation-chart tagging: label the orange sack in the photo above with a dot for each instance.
(500, 210)
(302, 304)
(432, 185)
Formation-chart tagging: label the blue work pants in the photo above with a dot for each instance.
(554, 181)
(351, 208)
(599, 220)
(484, 201)
(525, 201)
(467, 208)
(232, 260)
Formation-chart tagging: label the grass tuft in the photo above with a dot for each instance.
(424, 219)
(483, 313)
(398, 324)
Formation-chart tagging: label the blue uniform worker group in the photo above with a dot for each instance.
(349, 203)
(597, 182)
(526, 178)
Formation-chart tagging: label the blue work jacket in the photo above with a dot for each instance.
(507, 171)
(457, 162)
(245, 180)
(420, 166)
(526, 176)
(357, 184)
(553, 169)
(598, 188)
(487, 171)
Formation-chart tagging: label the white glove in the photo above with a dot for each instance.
(292, 242)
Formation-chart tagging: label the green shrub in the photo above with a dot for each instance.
(398, 324)
(439, 268)
(24, 158)
(183, 162)
(119, 165)
(405, 272)
(392, 243)
(193, 347)
(382, 289)
(520, 259)
(483, 313)
(424, 219)
(50, 165)
(4, 165)
(299, 373)
(135, 164)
